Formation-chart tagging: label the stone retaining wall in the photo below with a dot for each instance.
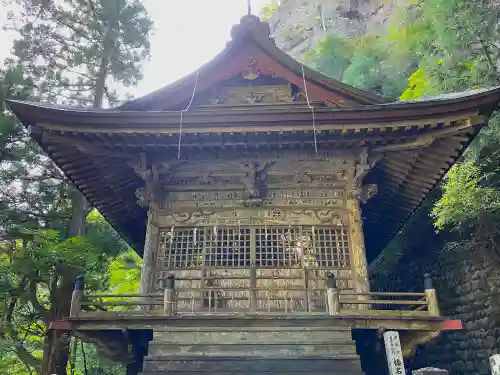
(468, 287)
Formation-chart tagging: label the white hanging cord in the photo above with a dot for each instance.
(180, 138)
(185, 110)
(311, 108)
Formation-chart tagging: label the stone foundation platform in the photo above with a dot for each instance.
(252, 350)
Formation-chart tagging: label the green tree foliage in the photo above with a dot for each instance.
(269, 10)
(332, 55)
(72, 52)
(29, 271)
(453, 43)
(77, 51)
(456, 45)
(361, 62)
(464, 198)
(431, 47)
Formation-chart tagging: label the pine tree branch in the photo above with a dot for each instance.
(75, 30)
(24, 355)
(28, 367)
(41, 178)
(62, 67)
(64, 42)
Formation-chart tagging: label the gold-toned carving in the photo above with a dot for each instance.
(412, 339)
(253, 181)
(362, 167)
(237, 95)
(251, 72)
(254, 216)
(277, 214)
(153, 190)
(252, 98)
(206, 180)
(156, 177)
(368, 192)
(302, 177)
(364, 193)
(364, 163)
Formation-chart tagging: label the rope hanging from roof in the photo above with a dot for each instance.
(185, 110)
(312, 110)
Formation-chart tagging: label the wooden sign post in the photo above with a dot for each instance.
(495, 364)
(394, 353)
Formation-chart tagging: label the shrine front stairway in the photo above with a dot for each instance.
(252, 345)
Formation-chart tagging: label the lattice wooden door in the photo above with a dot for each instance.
(276, 268)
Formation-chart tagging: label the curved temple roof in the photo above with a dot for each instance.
(417, 141)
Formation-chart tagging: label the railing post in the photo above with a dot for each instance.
(430, 296)
(77, 297)
(162, 284)
(333, 295)
(168, 300)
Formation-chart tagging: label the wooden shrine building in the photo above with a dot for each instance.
(243, 186)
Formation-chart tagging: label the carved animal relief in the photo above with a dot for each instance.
(248, 187)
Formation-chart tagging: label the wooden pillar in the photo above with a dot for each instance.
(169, 293)
(150, 255)
(357, 248)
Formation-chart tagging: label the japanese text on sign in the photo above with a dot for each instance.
(394, 353)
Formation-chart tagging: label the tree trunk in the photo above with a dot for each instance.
(78, 214)
(57, 343)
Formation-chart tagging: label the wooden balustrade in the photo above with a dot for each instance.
(291, 300)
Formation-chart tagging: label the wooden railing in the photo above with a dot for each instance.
(199, 301)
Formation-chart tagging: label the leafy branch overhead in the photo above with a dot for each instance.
(67, 52)
(71, 47)
(432, 47)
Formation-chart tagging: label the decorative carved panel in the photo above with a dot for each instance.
(335, 216)
(250, 188)
(279, 212)
(252, 95)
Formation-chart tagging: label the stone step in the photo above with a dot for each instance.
(277, 350)
(250, 336)
(331, 372)
(253, 328)
(340, 364)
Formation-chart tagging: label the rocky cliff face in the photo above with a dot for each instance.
(468, 287)
(298, 25)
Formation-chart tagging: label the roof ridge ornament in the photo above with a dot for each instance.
(250, 23)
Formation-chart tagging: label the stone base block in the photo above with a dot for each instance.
(430, 371)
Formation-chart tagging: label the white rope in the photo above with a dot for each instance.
(180, 137)
(185, 110)
(312, 110)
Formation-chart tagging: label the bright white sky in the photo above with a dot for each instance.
(188, 33)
